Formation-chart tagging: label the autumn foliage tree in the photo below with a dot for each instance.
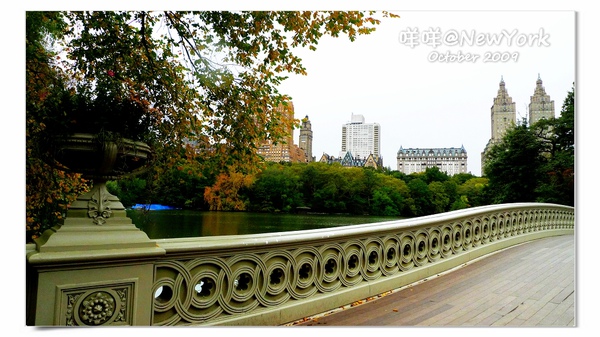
(48, 190)
(228, 192)
(207, 81)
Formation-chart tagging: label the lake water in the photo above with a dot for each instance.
(185, 223)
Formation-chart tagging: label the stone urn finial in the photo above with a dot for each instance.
(97, 220)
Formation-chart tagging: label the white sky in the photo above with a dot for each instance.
(422, 103)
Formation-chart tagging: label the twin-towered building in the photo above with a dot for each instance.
(504, 113)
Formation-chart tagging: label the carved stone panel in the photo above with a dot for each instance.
(96, 305)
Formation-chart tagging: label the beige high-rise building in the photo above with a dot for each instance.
(503, 117)
(503, 112)
(540, 107)
(306, 138)
(285, 150)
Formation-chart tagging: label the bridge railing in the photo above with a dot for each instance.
(90, 276)
(271, 279)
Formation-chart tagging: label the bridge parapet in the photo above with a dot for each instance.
(264, 279)
(271, 279)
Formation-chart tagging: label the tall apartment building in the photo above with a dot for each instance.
(285, 150)
(540, 105)
(305, 139)
(503, 116)
(449, 160)
(504, 113)
(360, 138)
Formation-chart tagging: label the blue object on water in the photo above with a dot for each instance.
(152, 207)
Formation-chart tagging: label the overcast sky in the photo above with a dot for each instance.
(421, 100)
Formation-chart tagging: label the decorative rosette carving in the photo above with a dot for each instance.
(97, 308)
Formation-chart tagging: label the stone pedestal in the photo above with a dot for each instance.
(98, 267)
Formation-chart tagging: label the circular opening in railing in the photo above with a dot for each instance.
(407, 249)
(163, 294)
(242, 282)
(373, 257)
(457, 236)
(476, 231)
(446, 240)
(204, 287)
(305, 271)
(330, 267)
(353, 262)
(485, 228)
(421, 247)
(434, 243)
(276, 276)
(467, 233)
(391, 253)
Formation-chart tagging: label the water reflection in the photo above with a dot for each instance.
(186, 223)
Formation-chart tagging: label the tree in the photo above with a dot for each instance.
(276, 188)
(471, 193)
(513, 167)
(421, 196)
(434, 174)
(229, 192)
(207, 80)
(558, 136)
(48, 191)
(383, 204)
(181, 185)
(389, 196)
(461, 178)
(439, 197)
(130, 191)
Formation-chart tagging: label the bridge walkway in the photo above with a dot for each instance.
(531, 284)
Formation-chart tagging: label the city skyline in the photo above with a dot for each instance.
(395, 77)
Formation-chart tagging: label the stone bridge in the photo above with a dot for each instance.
(265, 279)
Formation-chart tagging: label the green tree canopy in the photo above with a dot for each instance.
(558, 137)
(513, 166)
(203, 81)
(422, 197)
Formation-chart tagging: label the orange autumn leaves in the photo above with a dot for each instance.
(48, 194)
(224, 194)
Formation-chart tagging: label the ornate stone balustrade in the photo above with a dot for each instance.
(272, 279)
